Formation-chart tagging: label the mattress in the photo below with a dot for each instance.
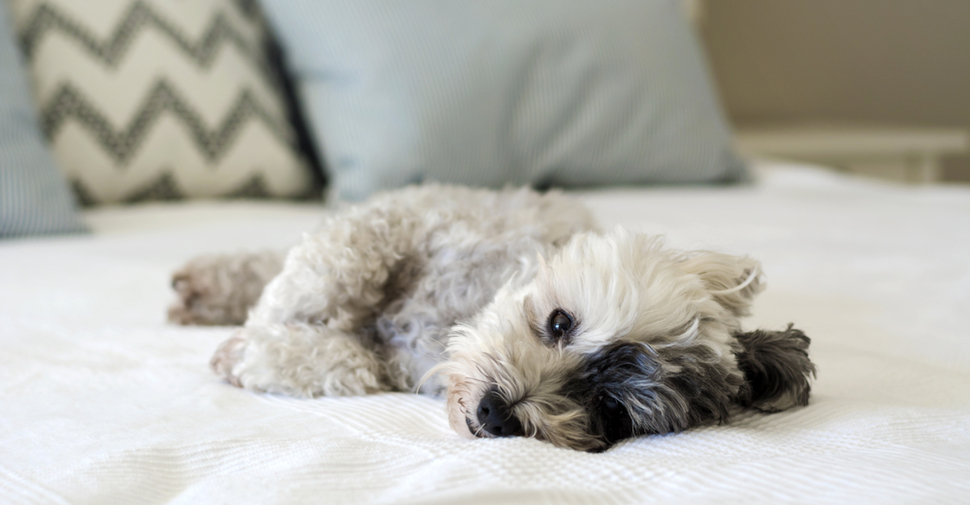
(102, 401)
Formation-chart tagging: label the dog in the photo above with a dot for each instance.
(511, 304)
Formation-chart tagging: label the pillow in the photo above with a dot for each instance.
(34, 197)
(155, 99)
(545, 92)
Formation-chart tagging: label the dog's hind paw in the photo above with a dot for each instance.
(220, 289)
(203, 288)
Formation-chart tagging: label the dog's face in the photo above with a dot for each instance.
(615, 336)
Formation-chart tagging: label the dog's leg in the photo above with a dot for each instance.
(220, 289)
(307, 334)
(298, 360)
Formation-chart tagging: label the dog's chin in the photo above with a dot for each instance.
(475, 430)
(463, 425)
(457, 406)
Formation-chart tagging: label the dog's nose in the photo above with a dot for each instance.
(495, 416)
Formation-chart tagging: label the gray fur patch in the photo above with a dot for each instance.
(631, 389)
(654, 392)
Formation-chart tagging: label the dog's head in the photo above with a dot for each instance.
(615, 336)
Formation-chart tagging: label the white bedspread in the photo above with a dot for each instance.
(101, 401)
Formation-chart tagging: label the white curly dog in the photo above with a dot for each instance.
(514, 305)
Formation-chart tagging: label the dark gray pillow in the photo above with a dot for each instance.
(544, 92)
(34, 197)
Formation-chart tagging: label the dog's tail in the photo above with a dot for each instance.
(776, 369)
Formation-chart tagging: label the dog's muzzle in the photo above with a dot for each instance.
(495, 416)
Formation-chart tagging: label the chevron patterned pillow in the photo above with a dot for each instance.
(154, 99)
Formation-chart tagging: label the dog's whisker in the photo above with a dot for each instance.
(430, 373)
(478, 432)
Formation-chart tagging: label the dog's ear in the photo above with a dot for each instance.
(776, 369)
(733, 281)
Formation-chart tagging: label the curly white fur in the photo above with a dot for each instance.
(535, 322)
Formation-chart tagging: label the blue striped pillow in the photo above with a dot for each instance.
(567, 93)
(34, 197)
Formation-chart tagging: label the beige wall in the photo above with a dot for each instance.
(862, 61)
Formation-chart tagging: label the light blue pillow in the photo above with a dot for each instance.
(544, 92)
(34, 197)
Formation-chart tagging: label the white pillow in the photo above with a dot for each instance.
(545, 92)
(155, 99)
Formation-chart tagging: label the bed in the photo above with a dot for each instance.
(102, 401)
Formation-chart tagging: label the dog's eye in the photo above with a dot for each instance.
(559, 324)
(611, 405)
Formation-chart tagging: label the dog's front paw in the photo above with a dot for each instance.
(228, 354)
(298, 360)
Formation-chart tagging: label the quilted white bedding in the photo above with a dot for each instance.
(101, 401)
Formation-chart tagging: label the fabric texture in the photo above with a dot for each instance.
(152, 99)
(101, 401)
(34, 197)
(551, 93)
